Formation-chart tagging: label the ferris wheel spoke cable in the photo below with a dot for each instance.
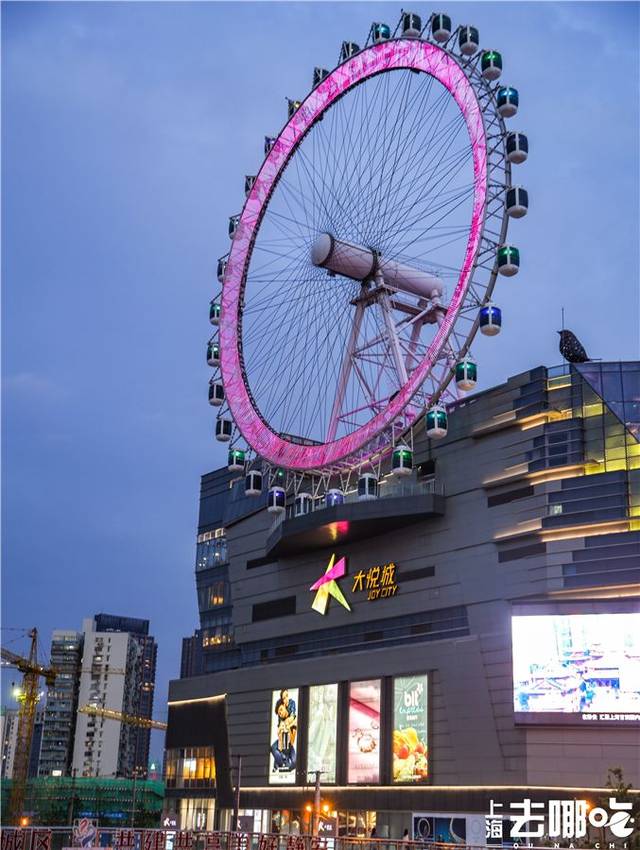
(395, 149)
(443, 203)
(286, 394)
(388, 143)
(416, 200)
(429, 169)
(443, 179)
(444, 210)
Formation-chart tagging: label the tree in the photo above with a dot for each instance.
(621, 791)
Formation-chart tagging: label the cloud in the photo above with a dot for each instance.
(29, 384)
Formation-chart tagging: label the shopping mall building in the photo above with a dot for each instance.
(473, 633)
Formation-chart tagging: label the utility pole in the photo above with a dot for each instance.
(316, 803)
(236, 794)
(72, 799)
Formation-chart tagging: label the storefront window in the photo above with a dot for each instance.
(190, 767)
(213, 595)
(197, 814)
(283, 738)
(211, 553)
(364, 732)
(410, 753)
(323, 721)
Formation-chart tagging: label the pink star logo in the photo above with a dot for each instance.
(327, 586)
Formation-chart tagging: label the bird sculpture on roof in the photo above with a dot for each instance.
(571, 348)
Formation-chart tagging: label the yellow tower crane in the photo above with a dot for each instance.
(122, 717)
(28, 699)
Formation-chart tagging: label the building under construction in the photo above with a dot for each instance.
(59, 800)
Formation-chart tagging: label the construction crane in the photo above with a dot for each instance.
(129, 719)
(28, 698)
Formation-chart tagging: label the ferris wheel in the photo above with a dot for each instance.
(365, 257)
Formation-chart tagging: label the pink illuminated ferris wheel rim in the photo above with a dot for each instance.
(401, 54)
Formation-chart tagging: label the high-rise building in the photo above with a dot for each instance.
(477, 639)
(147, 650)
(56, 750)
(118, 673)
(213, 589)
(9, 741)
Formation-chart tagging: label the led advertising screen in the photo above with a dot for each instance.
(284, 730)
(576, 668)
(443, 829)
(364, 732)
(410, 754)
(323, 724)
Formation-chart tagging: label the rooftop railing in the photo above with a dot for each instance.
(387, 490)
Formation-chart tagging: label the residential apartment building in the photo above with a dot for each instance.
(118, 673)
(62, 703)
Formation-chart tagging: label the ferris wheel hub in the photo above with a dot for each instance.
(366, 264)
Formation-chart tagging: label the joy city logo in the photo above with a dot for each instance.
(327, 586)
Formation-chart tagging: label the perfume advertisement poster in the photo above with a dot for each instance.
(364, 732)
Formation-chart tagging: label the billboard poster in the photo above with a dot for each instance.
(576, 668)
(323, 724)
(409, 742)
(441, 829)
(364, 732)
(284, 729)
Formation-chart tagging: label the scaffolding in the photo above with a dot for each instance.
(59, 800)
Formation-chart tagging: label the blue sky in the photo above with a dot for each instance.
(127, 131)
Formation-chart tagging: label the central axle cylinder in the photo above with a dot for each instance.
(364, 264)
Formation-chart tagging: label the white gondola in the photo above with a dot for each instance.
(293, 106)
(437, 423)
(508, 259)
(507, 101)
(222, 267)
(411, 25)
(234, 221)
(276, 500)
(468, 40)
(466, 373)
(214, 312)
(319, 75)
(269, 142)
(235, 460)
(216, 393)
(224, 429)
(334, 497)
(380, 32)
(367, 487)
(401, 460)
(303, 504)
(517, 148)
(491, 65)
(213, 353)
(516, 202)
(490, 320)
(348, 49)
(249, 180)
(441, 28)
(253, 483)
